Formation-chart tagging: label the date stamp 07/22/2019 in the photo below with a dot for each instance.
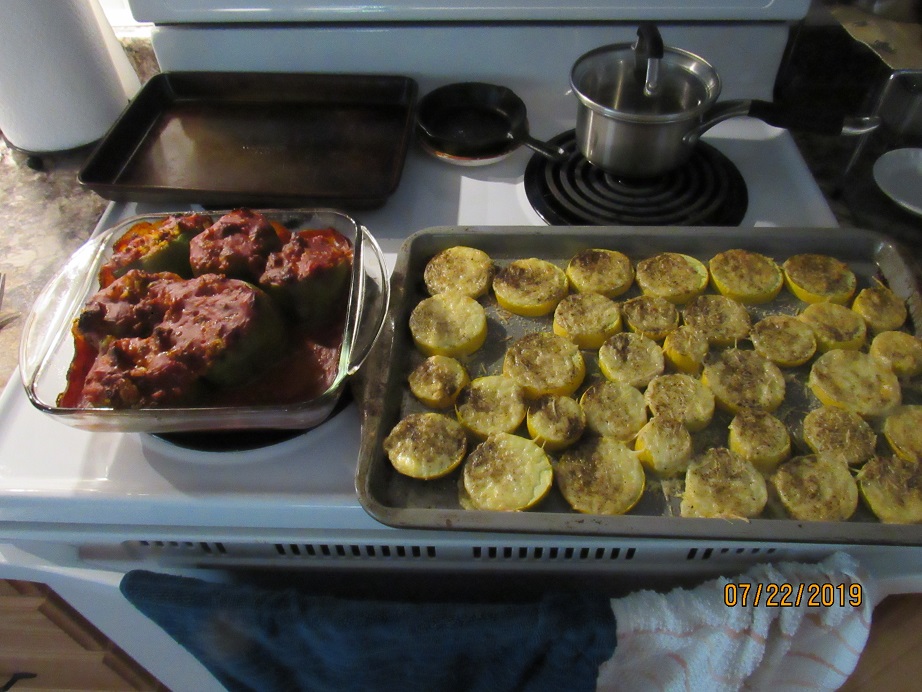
(785, 595)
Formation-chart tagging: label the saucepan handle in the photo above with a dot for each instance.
(815, 120)
(371, 300)
(801, 119)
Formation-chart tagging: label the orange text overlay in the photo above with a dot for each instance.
(783, 595)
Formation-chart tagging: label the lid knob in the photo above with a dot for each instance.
(648, 52)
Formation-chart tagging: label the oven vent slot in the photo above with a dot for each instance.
(190, 547)
(356, 551)
(551, 553)
(708, 553)
(226, 553)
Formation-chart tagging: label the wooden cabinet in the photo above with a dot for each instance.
(42, 636)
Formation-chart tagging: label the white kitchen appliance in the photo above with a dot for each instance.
(64, 77)
(77, 509)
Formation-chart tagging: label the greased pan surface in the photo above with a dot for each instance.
(404, 502)
(258, 139)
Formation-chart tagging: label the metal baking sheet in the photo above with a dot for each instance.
(400, 501)
(224, 139)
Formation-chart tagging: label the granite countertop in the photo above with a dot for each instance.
(45, 215)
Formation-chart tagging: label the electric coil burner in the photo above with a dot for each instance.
(707, 190)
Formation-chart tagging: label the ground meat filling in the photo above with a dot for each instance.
(207, 317)
(137, 372)
(129, 307)
(309, 274)
(305, 255)
(161, 361)
(145, 240)
(236, 245)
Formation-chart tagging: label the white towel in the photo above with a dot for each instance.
(690, 640)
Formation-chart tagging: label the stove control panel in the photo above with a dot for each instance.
(223, 11)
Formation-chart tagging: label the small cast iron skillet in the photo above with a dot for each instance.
(473, 123)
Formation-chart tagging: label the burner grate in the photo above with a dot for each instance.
(706, 190)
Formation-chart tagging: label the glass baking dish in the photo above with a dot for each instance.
(47, 346)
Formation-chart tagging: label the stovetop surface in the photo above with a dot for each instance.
(53, 474)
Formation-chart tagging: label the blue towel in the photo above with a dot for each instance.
(253, 638)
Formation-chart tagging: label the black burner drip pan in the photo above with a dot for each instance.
(707, 190)
(220, 441)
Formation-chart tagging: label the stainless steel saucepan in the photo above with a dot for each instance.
(643, 106)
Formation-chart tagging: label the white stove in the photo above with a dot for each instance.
(86, 506)
(121, 497)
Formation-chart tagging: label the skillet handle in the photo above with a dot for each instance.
(549, 150)
(812, 120)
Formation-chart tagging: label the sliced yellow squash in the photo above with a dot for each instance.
(459, 269)
(426, 445)
(507, 473)
(720, 484)
(817, 278)
(531, 287)
(746, 276)
(448, 324)
(671, 275)
(600, 476)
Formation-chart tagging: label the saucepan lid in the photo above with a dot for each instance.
(616, 81)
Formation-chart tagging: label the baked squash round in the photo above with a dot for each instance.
(438, 380)
(855, 381)
(426, 445)
(664, 446)
(818, 278)
(816, 488)
(631, 358)
(672, 275)
(600, 476)
(459, 269)
(840, 434)
(507, 473)
(448, 324)
(746, 276)
(530, 287)
(587, 319)
(544, 363)
(720, 484)
(595, 270)
(760, 438)
(784, 340)
(491, 404)
(744, 379)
